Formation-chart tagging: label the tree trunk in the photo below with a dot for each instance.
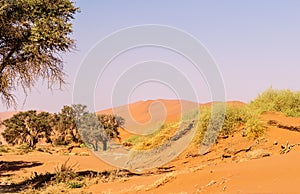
(33, 142)
(104, 145)
(96, 146)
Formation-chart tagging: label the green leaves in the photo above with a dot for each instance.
(99, 128)
(33, 33)
(73, 124)
(27, 127)
(284, 101)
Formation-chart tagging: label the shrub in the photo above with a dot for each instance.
(65, 172)
(284, 101)
(208, 130)
(254, 127)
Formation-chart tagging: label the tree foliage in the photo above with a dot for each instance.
(33, 35)
(64, 129)
(27, 127)
(91, 130)
(73, 124)
(99, 128)
(110, 124)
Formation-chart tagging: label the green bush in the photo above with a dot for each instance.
(254, 127)
(284, 101)
(233, 117)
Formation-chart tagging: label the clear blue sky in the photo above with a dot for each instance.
(256, 44)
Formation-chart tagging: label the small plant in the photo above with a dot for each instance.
(74, 185)
(65, 172)
(40, 149)
(23, 149)
(254, 127)
(52, 188)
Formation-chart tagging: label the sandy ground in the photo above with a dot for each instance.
(276, 173)
(227, 168)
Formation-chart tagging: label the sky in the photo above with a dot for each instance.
(255, 44)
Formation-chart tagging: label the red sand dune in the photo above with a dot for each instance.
(149, 114)
(211, 174)
(142, 111)
(199, 174)
(143, 115)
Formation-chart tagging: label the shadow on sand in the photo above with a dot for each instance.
(10, 166)
(40, 180)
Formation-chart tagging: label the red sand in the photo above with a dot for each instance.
(201, 174)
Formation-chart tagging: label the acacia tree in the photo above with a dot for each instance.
(99, 128)
(27, 127)
(92, 131)
(33, 34)
(64, 127)
(110, 124)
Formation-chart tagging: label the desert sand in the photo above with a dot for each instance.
(234, 165)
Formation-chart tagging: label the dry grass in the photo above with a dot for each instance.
(156, 139)
(65, 172)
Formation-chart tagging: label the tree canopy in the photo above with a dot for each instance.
(73, 124)
(99, 128)
(27, 127)
(33, 35)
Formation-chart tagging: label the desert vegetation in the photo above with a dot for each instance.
(284, 101)
(155, 139)
(42, 152)
(246, 118)
(33, 35)
(27, 131)
(73, 124)
(236, 117)
(99, 128)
